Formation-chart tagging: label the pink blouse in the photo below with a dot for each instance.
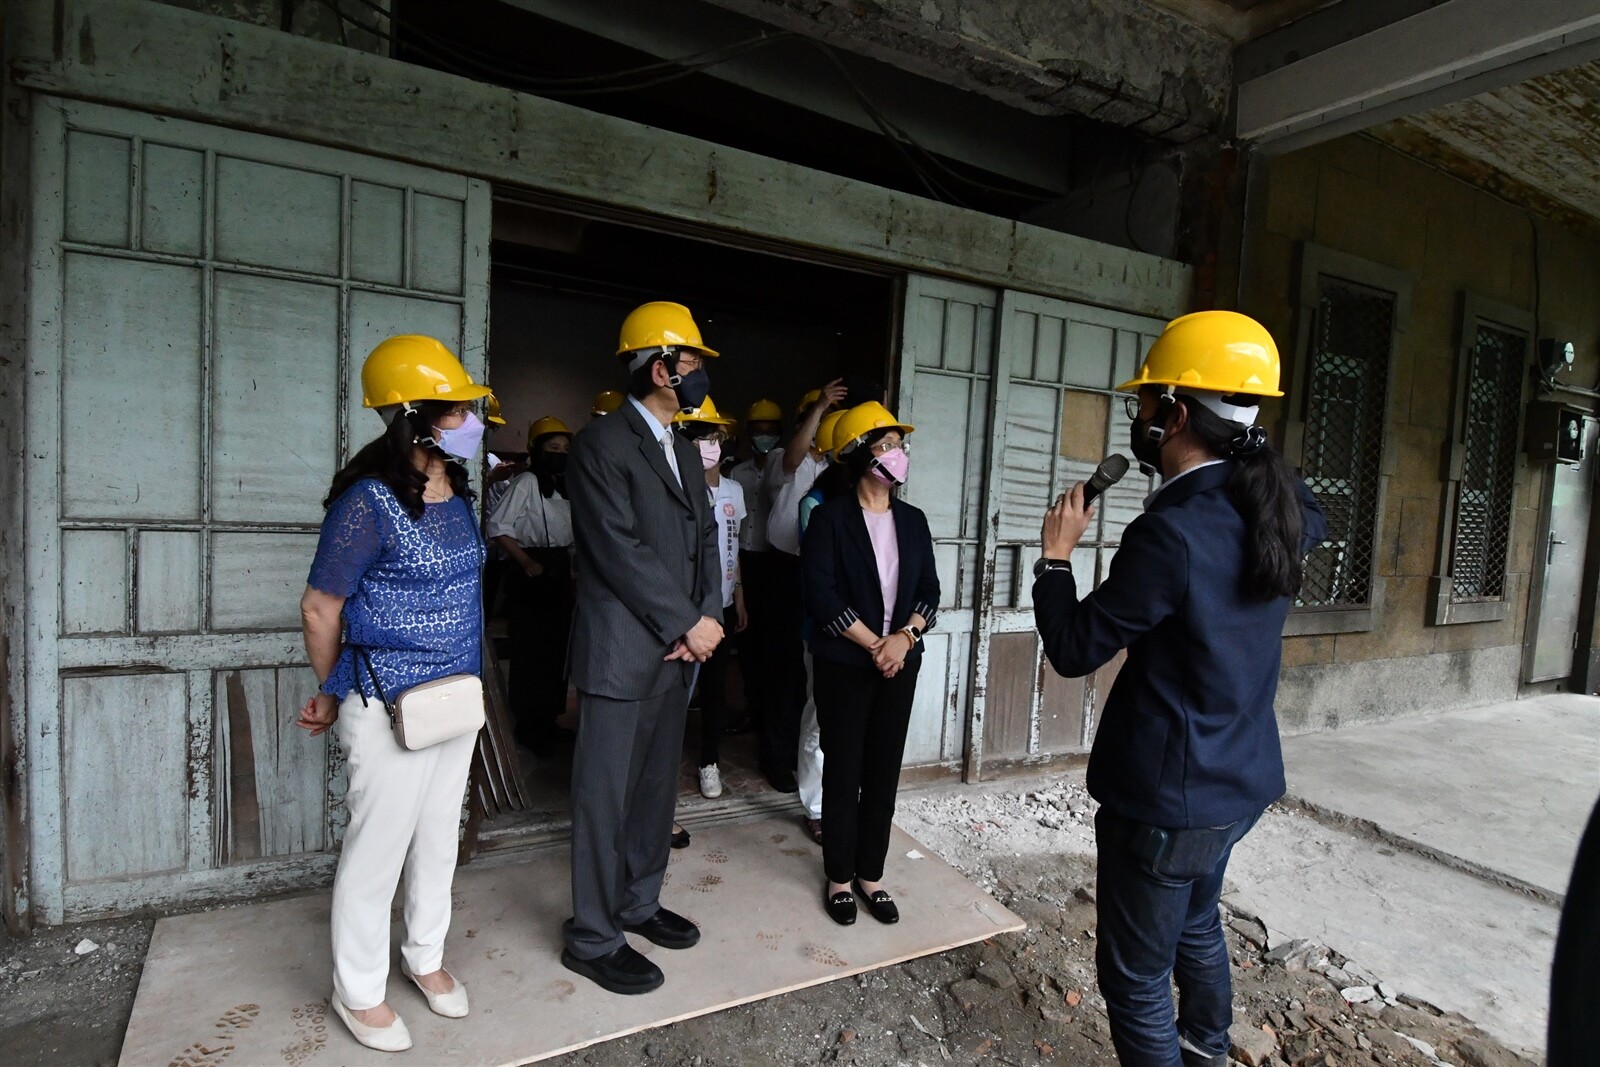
(886, 548)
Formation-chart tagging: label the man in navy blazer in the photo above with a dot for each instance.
(1186, 756)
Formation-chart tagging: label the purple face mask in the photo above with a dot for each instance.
(462, 442)
(891, 467)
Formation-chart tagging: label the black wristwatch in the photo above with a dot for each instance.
(1047, 564)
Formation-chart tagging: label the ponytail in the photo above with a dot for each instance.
(1264, 490)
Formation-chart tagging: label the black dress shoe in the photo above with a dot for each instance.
(622, 970)
(680, 839)
(781, 779)
(667, 929)
(880, 904)
(841, 906)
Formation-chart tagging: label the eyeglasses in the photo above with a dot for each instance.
(1130, 404)
(686, 361)
(882, 447)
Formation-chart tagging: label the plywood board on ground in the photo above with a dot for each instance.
(249, 985)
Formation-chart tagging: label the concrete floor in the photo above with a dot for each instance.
(1502, 790)
(250, 984)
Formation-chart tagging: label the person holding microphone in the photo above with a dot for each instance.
(1187, 754)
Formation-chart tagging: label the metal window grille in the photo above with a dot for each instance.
(1344, 428)
(1481, 532)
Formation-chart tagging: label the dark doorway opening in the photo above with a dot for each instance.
(561, 284)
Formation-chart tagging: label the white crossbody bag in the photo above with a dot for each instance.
(435, 711)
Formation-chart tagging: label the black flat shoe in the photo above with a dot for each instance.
(880, 904)
(781, 779)
(667, 929)
(841, 906)
(621, 970)
(680, 839)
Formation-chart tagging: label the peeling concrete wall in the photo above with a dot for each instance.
(1121, 61)
(1362, 197)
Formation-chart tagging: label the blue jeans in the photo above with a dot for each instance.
(1157, 897)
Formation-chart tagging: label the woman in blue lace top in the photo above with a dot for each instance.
(395, 592)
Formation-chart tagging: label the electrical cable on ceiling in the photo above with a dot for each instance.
(451, 56)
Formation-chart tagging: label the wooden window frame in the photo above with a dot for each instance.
(1317, 262)
(1443, 609)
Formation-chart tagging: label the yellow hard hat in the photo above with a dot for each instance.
(1218, 351)
(764, 410)
(706, 412)
(544, 427)
(660, 323)
(825, 430)
(605, 403)
(807, 400)
(493, 416)
(409, 368)
(862, 420)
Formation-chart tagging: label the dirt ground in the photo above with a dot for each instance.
(1026, 998)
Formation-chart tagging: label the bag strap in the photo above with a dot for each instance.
(367, 660)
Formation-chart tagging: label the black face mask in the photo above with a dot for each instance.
(691, 389)
(553, 463)
(1145, 450)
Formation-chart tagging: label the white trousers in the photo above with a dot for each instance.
(405, 810)
(808, 766)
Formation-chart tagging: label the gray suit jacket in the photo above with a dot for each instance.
(647, 557)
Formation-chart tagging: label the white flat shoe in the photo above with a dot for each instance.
(392, 1038)
(452, 1005)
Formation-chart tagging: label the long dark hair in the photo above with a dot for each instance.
(388, 459)
(1264, 490)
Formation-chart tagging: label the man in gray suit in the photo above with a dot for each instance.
(648, 599)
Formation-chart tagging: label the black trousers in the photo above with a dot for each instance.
(539, 616)
(786, 670)
(714, 691)
(756, 643)
(863, 717)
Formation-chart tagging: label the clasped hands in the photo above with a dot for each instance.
(889, 653)
(697, 645)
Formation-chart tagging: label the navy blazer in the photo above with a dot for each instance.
(840, 575)
(1189, 737)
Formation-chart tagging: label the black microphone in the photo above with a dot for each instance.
(1109, 473)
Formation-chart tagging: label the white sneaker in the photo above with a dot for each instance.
(392, 1038)
(710, 782)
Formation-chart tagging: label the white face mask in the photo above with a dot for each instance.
(710, 452)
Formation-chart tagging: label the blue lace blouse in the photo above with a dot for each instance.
(412, 589)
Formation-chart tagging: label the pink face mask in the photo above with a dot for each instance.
(710, 453)
(891, 467)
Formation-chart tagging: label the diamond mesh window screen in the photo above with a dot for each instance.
(1344, 426)
(1481, 532)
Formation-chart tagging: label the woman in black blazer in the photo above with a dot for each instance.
(871, 592)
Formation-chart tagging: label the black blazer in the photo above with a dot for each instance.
(1188, 737)
(840, 574)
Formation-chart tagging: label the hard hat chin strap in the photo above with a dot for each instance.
(643, 356)
(1156, 430)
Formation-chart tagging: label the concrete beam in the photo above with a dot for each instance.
(1448, 52)
(1125, 62)
(956, 124)
(147, 55)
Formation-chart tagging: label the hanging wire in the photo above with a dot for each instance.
(917, 158)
